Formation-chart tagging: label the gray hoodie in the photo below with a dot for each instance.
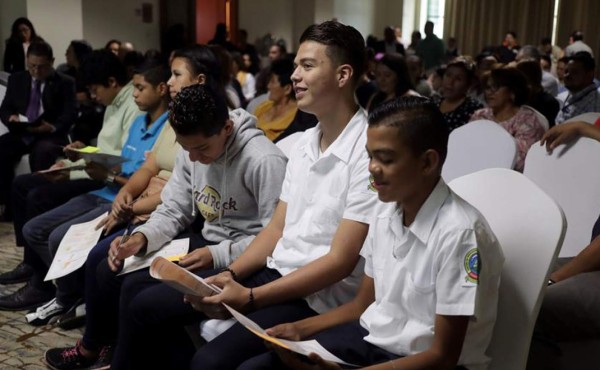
(236, 194)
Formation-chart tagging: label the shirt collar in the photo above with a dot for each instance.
(156, 125)
(583, 92)
(342, 147)
(123, 95)
(427, 215)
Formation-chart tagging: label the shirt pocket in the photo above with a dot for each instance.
(421, 299)
(326, 215)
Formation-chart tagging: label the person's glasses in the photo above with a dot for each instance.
(38, 67)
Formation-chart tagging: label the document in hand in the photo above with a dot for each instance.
(107, 160)
(55, 170)
(302, 347)
(74, 248)
(181, 279)
(173, 250)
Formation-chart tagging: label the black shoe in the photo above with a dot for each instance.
(19, 274)
(74, 317)
(68, 358)
(26, 298)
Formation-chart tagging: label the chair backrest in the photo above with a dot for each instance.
(530, 227)
(590, 117)
(4, 78)
(543, 120)
(571, 177)
(3, 128)
(251, 107)
(2, 92)
(478, 145)
(286, 144)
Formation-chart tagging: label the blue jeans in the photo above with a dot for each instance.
(44, 233)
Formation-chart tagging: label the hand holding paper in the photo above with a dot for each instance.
(306, 348)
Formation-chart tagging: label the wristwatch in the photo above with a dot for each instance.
(110, 179)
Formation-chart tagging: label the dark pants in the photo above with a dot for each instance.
(43, 152)
(33, 195)
(344, 341)
(108, 297)
(230, 349)
(44, 233)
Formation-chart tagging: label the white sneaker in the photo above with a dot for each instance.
(45, 313)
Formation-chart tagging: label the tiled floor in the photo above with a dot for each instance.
(22, 345)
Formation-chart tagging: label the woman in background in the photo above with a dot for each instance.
(21, 36)
(505, 93)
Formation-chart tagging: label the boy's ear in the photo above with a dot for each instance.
(201, 78)
(430, 162)
(228, 127)
(112, 82)
(163, 89)
(344, 74)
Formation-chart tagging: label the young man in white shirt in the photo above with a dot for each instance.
(432, 264)
(305, 261)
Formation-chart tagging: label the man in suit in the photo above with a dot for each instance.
(389, 44)
(47, 99)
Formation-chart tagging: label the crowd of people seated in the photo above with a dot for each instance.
(351, 238)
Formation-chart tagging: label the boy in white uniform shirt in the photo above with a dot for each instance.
(304, 262)
(432, 264)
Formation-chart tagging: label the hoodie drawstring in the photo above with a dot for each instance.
(193, 180)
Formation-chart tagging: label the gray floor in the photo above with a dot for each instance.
(21, 345)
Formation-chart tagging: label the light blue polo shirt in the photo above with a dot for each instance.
(140, 141)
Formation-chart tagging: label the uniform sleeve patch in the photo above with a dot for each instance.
(472, 267)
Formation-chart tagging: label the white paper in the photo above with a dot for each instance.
(174, 248)
(74, 248)
(23, 118)
(302, 347)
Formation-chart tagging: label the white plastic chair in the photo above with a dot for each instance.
(251, 107)
(530, 227)
(543, 120)
(570, 176)
(478, 145)
(286, 144)
(590, 117)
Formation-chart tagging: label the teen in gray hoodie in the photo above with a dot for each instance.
(235, 188)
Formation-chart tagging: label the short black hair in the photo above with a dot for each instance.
(100, 66)
(40, 48)
(546, 58)
(577, 36)
(81, 49)
(198, 109)
(586, 59)
(113, 41)
(546, 41)
(514, 80)
(154, 71)
(420, 122)
(283, 69)
(345, 45)
(281, 46)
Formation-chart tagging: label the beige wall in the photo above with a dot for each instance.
(117, 19)
(9, 11)
(46, 15)
(287, 19)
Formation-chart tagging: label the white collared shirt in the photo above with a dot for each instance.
(320, 191)
(447, 262)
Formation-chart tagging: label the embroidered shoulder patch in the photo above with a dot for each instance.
(472, 266)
